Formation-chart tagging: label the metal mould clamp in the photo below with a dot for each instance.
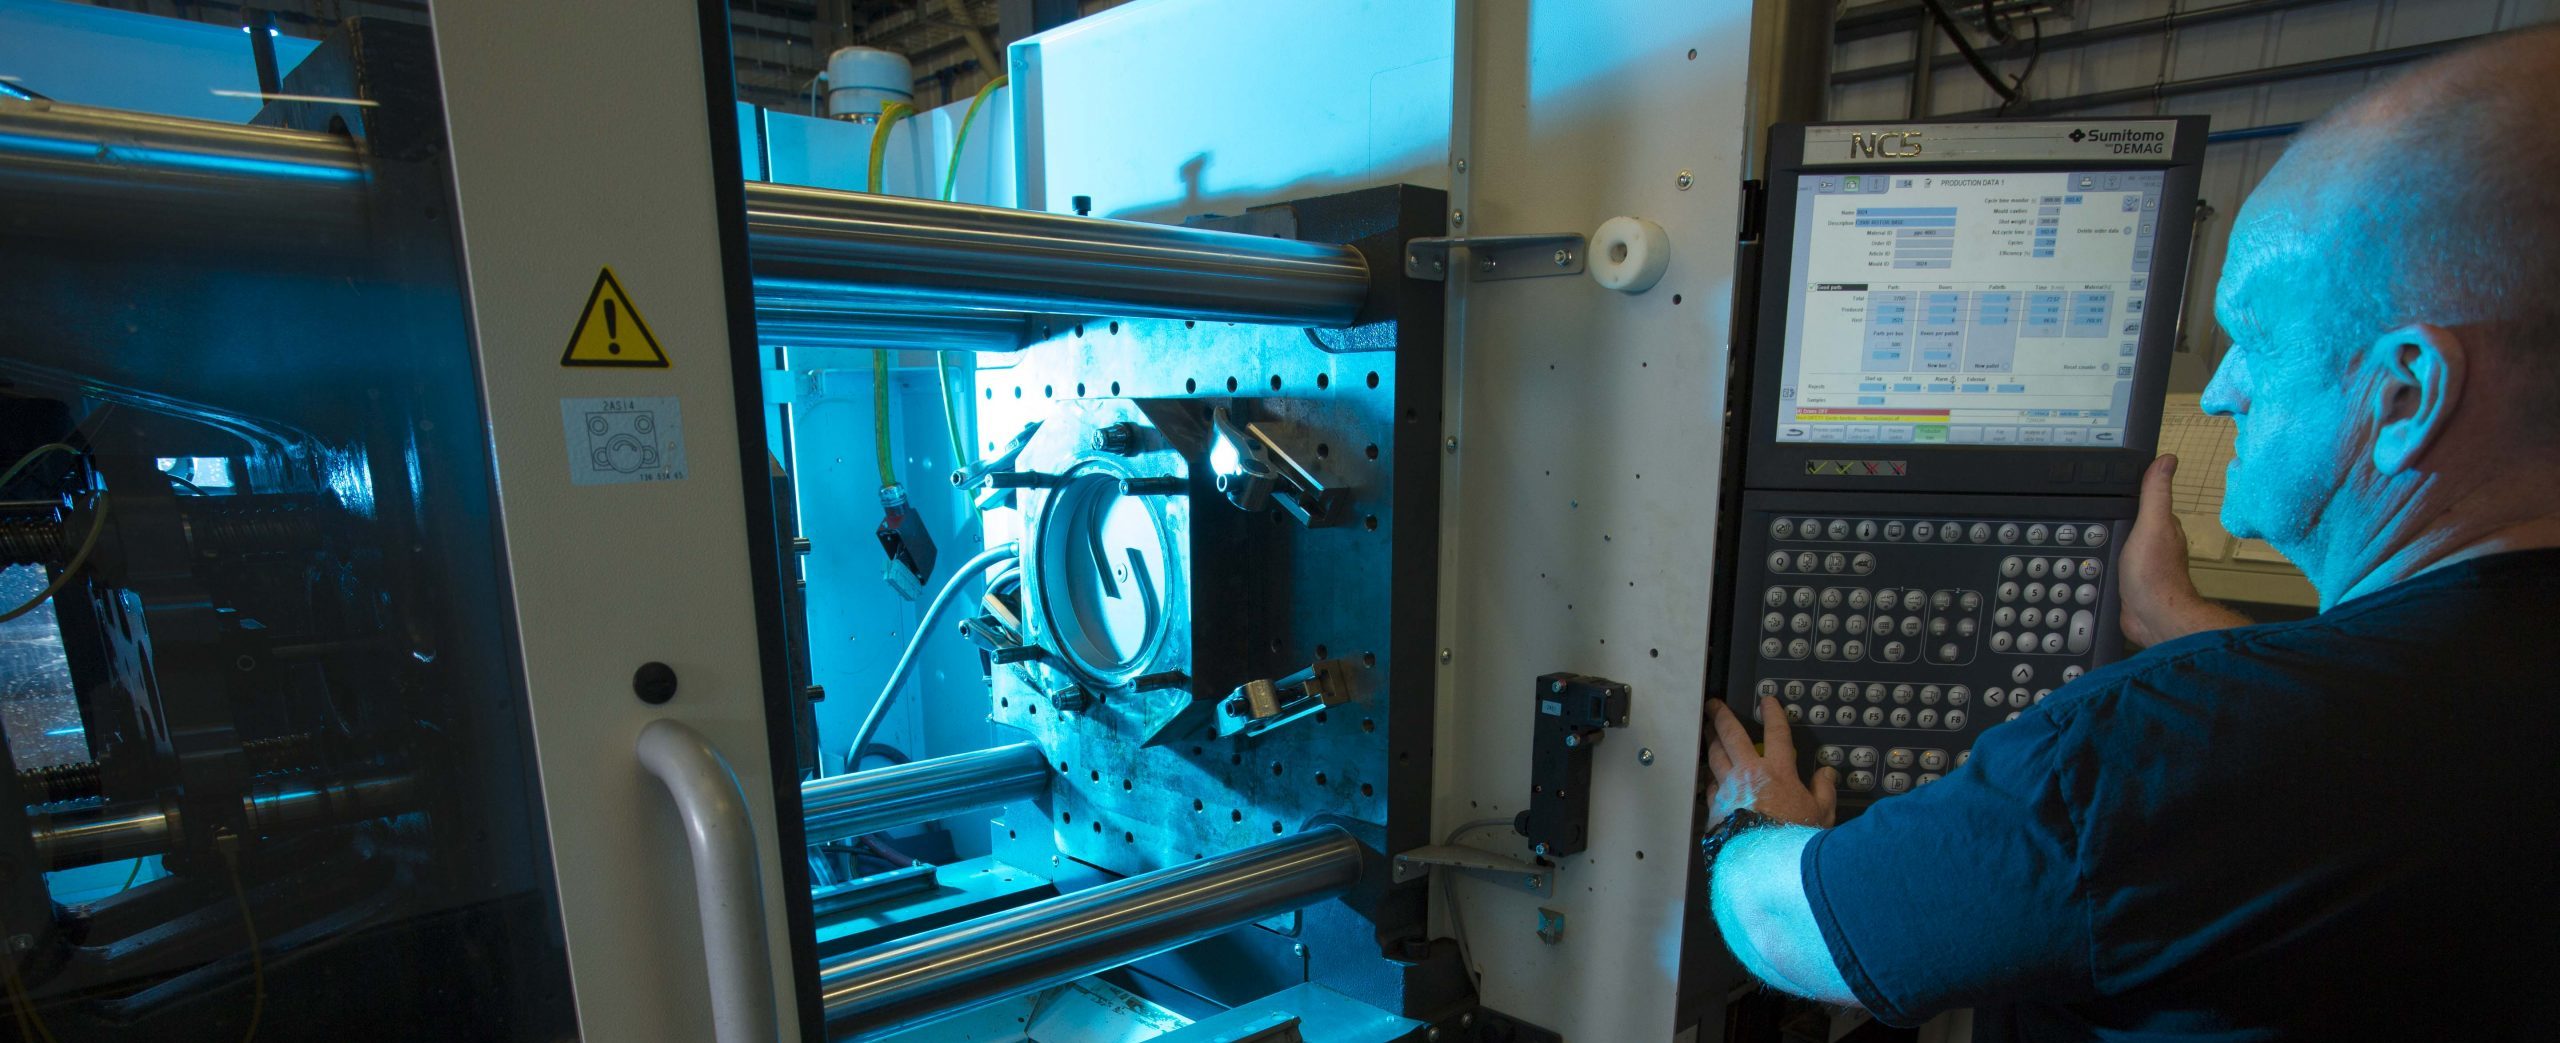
(1255, 472)
(1497, 256)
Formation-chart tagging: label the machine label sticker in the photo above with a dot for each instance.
(610, 331)
(617, 440)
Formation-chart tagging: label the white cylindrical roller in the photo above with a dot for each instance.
(1628, 254)
(861, 79)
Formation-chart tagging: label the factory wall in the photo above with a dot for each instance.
(2252, 122)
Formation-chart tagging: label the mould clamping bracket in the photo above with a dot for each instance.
(1536, 879)
(1497, 257)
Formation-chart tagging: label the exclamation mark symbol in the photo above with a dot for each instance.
(612, 329)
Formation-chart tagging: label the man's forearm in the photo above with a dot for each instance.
(1757, 894)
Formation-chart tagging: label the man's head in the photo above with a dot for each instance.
(2392, 292)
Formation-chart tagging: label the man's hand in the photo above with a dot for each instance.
(1746, 777)
(2159, 598)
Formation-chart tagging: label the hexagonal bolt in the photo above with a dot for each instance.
(1564, 258)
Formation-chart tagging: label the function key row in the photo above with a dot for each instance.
(1859, 599)
(1876, 717)
(1869, 530)
(2015, 567)
(1835, 563)
(1872, 691)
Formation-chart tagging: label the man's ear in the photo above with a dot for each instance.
(2419, 372)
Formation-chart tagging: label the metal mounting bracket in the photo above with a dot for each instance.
(1528, 876)
(1497, 256)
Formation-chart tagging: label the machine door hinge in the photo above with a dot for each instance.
(1495, 257)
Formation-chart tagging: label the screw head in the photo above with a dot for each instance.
(1457, 217)
(1572, 741)
(1462, 166)
(1300, 950)
(1486, 264)
(1450, 443)
(1444, 655)
(1564, 258)
(1531, 882)
(1432, 1036)
(1540, 848)
(1466, 1021)
(1686, 180)
(1555, 686)
(1645, 756)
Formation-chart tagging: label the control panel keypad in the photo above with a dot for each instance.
(1893, 641)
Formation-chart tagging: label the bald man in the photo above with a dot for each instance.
(2339, 828)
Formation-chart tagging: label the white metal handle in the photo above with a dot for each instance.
(726, 878)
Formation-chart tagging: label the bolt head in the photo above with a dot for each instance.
(1450, 443)
(1571, 741)
(1541, 848)
(1686, 180)
(1555, 686)
(1531, 882)
(1645, 756)
(1462, 166)
(1564, 258)
(1300, 949)
(1457, 217)
(1432, 1036)
(1444, 655)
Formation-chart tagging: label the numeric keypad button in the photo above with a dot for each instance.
(2053, 618)
(2058, 593)
(2052, 643)
(2003, 616)
(2086, 594)
(2037, 567)
(2001, 641)
(2034, 593)
(2008, 590)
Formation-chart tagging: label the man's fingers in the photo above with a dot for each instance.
(1730, 734)
(1775, 743)
(1717, 761)
(1826, 795)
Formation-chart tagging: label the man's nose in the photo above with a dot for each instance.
(2223, 396)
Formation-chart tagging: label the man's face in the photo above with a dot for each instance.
(2285, 383)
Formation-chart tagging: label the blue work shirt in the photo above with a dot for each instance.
(2338, 828)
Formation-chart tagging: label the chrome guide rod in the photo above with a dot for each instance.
(930, 976)
(919, 791)
(132, 829)
(827, 262)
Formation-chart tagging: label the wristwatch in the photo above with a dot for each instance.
(1734, 825)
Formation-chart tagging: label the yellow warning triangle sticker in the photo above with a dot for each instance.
(610, 331)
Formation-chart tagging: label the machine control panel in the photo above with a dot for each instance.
(1958, 357)
(1890, 640)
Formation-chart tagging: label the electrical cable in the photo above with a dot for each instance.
(1947, 23)
(2035, 53)
(1449, 900)
(961, 457)
(960, 139)
(257, 960)
(97, 524)
(879, 711)
(32, 454)
(890, 115)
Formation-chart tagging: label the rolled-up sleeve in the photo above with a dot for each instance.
(1964, 892)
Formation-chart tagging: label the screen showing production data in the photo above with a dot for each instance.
(1954, 308)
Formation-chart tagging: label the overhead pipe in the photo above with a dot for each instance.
(921, 791)
(927, 977)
